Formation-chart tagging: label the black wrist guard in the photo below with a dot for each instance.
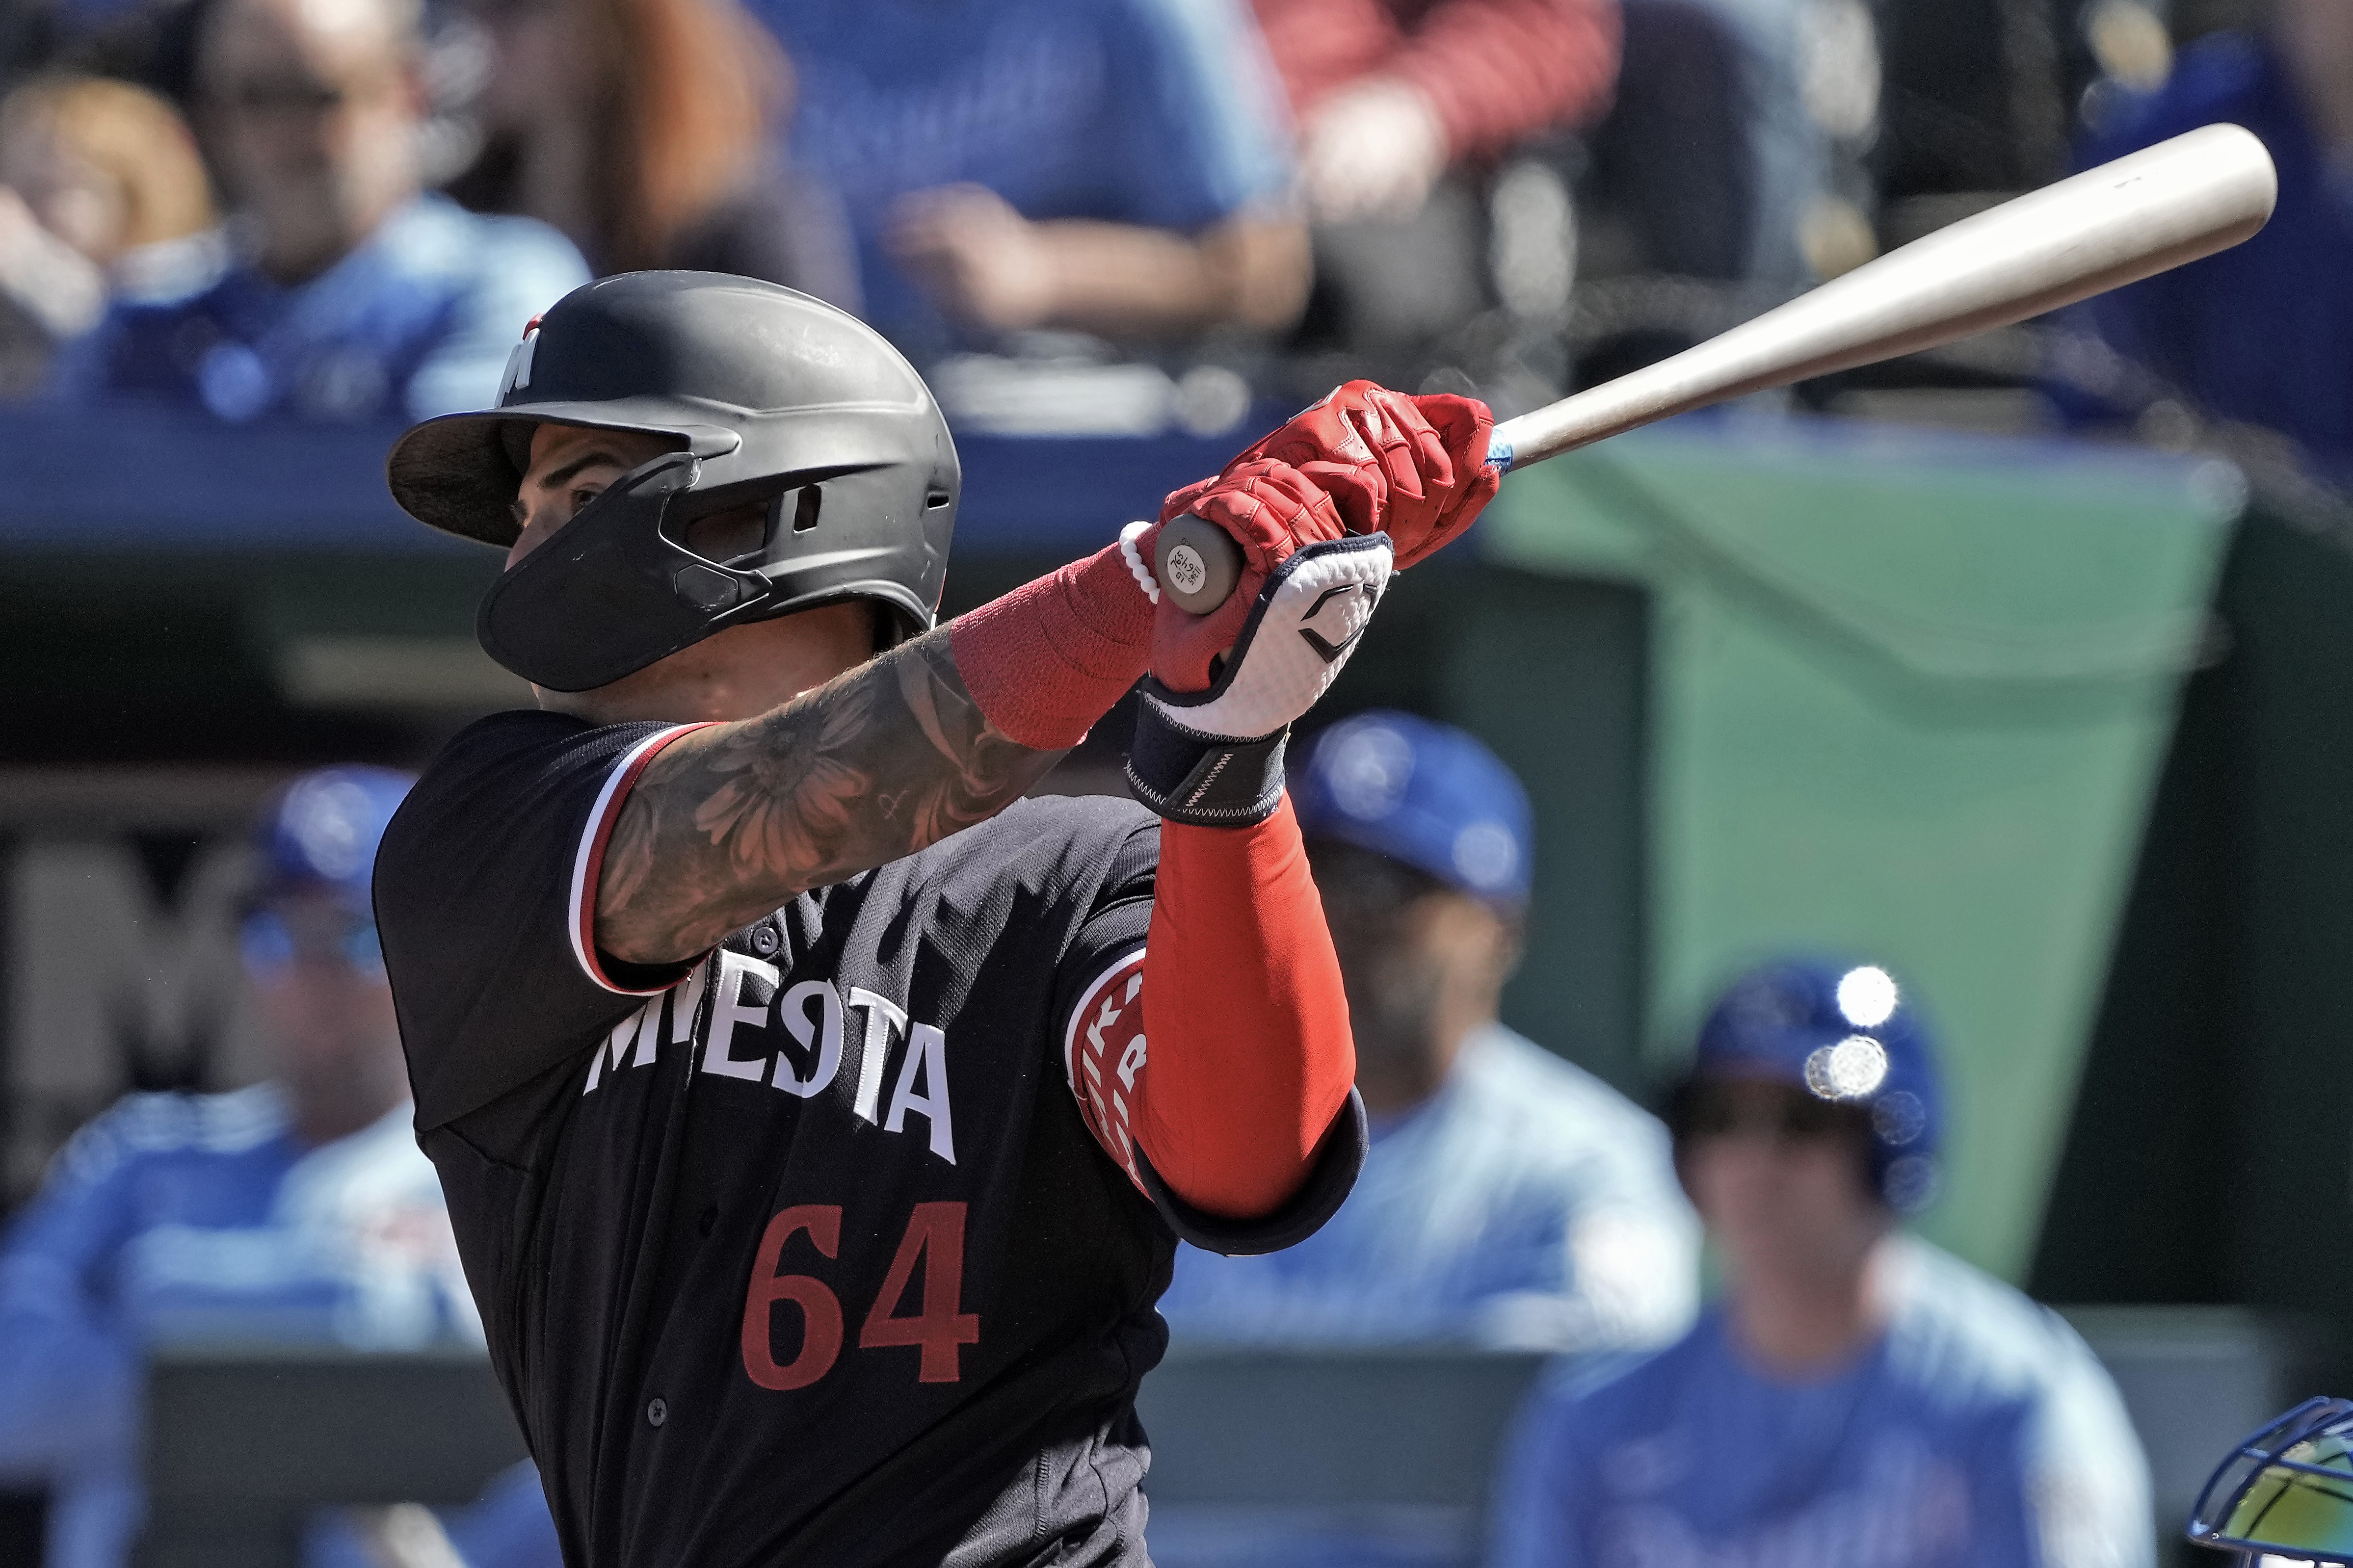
(1208, 781)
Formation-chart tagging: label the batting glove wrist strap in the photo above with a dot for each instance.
(1214, 758)
(1208, 781)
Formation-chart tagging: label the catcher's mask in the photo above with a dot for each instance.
(775, 403)
(2285, 1490)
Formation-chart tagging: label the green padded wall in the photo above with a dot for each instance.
(1908, 695)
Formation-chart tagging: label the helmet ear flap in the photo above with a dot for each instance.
(610, 592)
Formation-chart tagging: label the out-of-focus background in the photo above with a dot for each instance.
(2024, 667)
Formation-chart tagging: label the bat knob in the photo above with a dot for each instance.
(1197, 563)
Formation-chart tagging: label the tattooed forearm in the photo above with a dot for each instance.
(728, 823)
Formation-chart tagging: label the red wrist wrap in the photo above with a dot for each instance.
(1049, 660)
(1250, 1054)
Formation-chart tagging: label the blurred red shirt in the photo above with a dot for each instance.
(1499, 71)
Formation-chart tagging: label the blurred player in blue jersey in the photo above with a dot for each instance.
(299, 1209)
(1116, 167)
(1510, 1199)
(1857, 1399)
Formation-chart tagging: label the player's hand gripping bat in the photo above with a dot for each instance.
(2098, 230)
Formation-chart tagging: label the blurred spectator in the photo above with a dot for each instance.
(355, 295)
(298, 1210)
(1810, 83)
(1859, 1399)
(640, 127)
(1390, 94)
(2263, 332)
(1510, 1199)
(1438, 162)
(1113, 167)
(100, 189)
(1404, 109)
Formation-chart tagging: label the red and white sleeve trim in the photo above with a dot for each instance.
(1103, 1052)
(590, 861)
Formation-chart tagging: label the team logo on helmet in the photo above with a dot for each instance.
(518, 372)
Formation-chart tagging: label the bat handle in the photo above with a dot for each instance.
(1197, 563)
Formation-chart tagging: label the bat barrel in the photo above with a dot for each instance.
(2101, 229)
(2158, 208)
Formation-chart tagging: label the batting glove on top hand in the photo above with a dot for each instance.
(1214, 757)
(1412, 467)
(1362, 460)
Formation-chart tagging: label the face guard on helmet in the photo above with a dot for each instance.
(774, 401)
(2286, 1491)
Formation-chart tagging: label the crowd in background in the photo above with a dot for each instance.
(1120, 218)
(1125, 216)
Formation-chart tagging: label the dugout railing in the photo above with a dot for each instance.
(1395, 1449)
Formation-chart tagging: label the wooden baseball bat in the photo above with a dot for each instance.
(2098, 230)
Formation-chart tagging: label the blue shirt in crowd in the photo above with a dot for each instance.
(418, 321)
(1977, 1432)
(1156, 113)
(1526, 1205)
(2262, 334)
(182, 1218)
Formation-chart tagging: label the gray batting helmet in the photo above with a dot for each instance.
(771, 397)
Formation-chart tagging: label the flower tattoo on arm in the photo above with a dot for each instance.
(730, 822)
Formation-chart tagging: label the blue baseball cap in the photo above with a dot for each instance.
(1843, 1032)
(321, 832)
(1426, 793)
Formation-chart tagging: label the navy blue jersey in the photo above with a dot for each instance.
(808, 1252)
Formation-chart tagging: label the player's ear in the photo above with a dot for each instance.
(1511, 943)
(1673, 1106)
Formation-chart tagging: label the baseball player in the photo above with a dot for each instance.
(819, 1117)
(1857, 1399)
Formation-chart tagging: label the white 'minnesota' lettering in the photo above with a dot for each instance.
(684, 1001)
(793, 1007)
(727, 1010)
(928, 1050)
(742, 993)
(884, 1018)
(633, 1028)
(643, 1028)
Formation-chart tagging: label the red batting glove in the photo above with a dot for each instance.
(1362, 459)
(1415, 467)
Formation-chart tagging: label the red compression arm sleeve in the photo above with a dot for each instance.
(1250, 1057)
(1049, 660)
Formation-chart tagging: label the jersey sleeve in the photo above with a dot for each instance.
(520, 266)
(486, 900)
(1198, 133)
(1633, 1243)
(69, 1372)
(2087, 1489)
(1101, 988)
(1105, 1051)
(1542, 1487)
